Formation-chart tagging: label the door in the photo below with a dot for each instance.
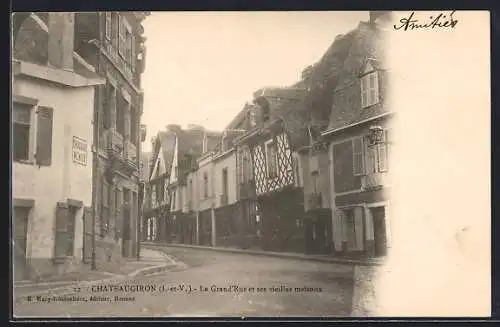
(87, 235)
(379, 230)
(126, 231)
(20, 222)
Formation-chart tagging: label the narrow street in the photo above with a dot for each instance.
(282, 287)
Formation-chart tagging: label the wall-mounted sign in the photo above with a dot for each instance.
(79, 151)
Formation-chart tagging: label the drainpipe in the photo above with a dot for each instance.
(95, 167)
(139, 201)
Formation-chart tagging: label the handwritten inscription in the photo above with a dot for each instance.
(440, 21)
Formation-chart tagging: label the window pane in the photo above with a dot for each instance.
(21, 113)
(21, 136)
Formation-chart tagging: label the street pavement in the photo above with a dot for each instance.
(206, 283)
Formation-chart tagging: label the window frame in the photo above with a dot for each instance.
(369, 92)
(31, 131)
(267, 144)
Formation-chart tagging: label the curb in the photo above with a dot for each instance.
(270, 254)
(63, 290)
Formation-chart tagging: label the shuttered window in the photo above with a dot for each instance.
(369, 89)
(357, 156)
(21, 117)
(44, 136)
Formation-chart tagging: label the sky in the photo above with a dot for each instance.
(201, 67)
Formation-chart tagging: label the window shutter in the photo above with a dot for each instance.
(357, 153)
(363, 91)
(373, 88)
(382, 155)
(44, 136)
(371, 160)
(61, 241)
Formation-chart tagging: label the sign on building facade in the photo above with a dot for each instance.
(79, 151)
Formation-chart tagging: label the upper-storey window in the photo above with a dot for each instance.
(369, 87)
(271, 159)
(21, 117)
(126, 41)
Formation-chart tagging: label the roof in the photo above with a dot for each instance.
(366, 48)
(163, 145)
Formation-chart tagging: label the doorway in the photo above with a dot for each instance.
(20, 227)
(379, 230)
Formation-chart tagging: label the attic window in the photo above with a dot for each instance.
(369, 89)
(264, 108)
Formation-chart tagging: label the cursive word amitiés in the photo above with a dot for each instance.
(439, 21)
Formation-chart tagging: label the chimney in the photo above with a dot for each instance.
(375, 16)
(61, 39)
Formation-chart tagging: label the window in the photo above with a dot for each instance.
(153, 195)
(369, 89)
(314, 182)
(105, 218)
(357, 156)
(205, 185)
(108, 25)
(121, 36)
(134, 136)
(190, 190)
(377, 158)
(120, 115)
(271, 159)
(21, 117)
(109, 104)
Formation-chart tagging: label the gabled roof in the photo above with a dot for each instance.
(163, 145)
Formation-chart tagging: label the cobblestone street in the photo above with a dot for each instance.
(292, 288)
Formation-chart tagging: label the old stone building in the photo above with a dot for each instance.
(52, 110)
(112, 42)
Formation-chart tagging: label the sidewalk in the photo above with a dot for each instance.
(151, 261)
(299, 256)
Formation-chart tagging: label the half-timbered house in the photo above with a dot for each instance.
(157, 204)
(279, 200)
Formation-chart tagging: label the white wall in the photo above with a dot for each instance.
(229, 162)
(63, 179)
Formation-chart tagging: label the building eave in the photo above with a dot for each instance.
(335, 130)
(55, 75)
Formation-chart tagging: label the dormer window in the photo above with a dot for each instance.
(264, 107)
(369, 87)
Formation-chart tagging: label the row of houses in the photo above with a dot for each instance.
(76, 111)
(302, 168)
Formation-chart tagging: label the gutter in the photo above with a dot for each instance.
(335, 130)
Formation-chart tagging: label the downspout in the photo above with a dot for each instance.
(95, 167)
(142, 184)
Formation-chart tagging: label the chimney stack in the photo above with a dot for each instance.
(61, 39)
